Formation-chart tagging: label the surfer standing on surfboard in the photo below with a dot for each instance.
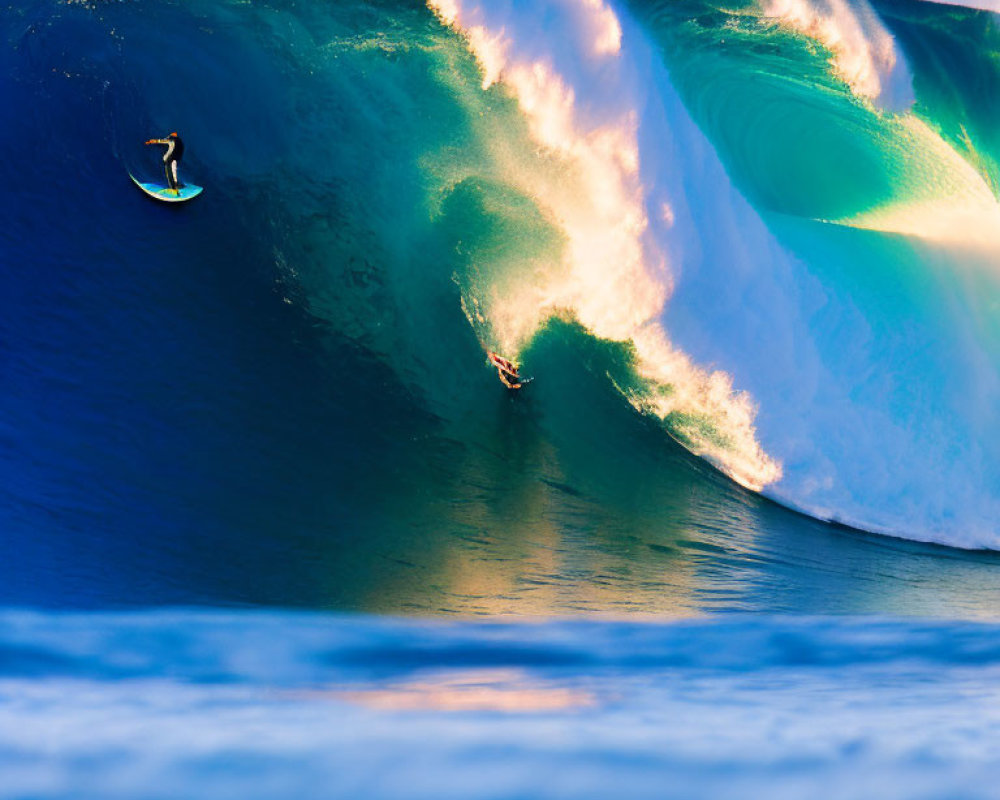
(175, 151)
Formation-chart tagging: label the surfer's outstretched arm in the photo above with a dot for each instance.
(171, 143)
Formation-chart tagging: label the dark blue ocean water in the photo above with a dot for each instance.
(248, 446)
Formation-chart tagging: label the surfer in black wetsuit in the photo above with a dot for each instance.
(175, 151)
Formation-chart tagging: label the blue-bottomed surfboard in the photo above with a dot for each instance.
(160, 192)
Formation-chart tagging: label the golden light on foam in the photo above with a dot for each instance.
(447, 10)
(490, 53)
(708, 394)
(861, 57)
(547, 102)
(608, 32)
(965, 224)
(488, 48)
(951, 203)
(602, 214)
(625, 150)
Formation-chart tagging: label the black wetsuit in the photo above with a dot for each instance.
(175, 152)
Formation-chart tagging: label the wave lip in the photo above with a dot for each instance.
(865, 54)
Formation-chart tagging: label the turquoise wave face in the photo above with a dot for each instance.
(791, 134)
(796, 136)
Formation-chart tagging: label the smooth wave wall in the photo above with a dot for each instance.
(941, 192)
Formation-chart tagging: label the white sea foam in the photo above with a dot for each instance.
(615, 278)
(865, 54)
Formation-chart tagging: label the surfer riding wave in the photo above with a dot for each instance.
(508, 371)
(173, 155)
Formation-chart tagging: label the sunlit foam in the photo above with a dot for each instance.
(614, 278)
(961, 223)
(950, 202)
(607, 33)
(865, 55)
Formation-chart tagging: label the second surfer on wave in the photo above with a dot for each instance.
(507, 371)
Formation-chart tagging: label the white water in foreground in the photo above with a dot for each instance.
(209, 705)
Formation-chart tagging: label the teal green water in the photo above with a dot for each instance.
(876, 349)
(956, 75)
(792, 135)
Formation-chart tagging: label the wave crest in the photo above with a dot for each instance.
(864, 53)
(614, 277)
